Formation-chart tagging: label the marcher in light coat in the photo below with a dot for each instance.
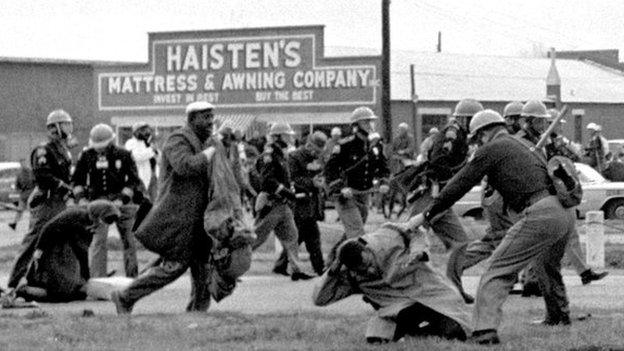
(389, 267)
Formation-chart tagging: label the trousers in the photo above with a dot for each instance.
(309, 234)
(280, 219)
(446, 226)
(39, 216)
(353, 213)
(164, 273)
(98, 251)
(540, 235)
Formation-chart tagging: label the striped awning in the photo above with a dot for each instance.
(307, 118)
(235, 121)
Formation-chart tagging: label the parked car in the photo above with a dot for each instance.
(8, 174)
(616, 146)
(598, 194)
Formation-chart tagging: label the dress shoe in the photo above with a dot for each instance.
(280, 271)
(300, 276)
(589, 276)
(485, 337)
(551, 321)
(120, 306)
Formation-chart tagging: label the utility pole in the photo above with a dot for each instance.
(439, 48)
(385, 71)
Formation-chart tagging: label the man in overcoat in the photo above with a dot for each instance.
(174, 227)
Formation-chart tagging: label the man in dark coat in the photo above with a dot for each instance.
(174, 228)
(305, 167)
(60, 266)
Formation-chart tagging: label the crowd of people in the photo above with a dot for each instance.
(187, 201)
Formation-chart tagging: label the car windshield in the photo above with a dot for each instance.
(588, 174)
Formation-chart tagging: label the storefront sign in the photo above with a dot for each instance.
(276, 67)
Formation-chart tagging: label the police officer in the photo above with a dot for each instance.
(305, 167)
(513, 116)
(51, 163)
(351, 169)
(106, 171)
(447, 155)
(540, 235)
(537, 121)
(273, 202)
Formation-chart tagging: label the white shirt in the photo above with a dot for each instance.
(142, 154)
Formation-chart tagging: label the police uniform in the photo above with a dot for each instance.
(355, 164)
(303, 166)
(276, 215)
(540, 234)
(447, 155)
(557, 147)
(51, 163)
(104, 175)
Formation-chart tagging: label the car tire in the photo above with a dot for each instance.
(614, 209)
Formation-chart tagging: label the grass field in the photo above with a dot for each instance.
(309, 331)
(217, 330)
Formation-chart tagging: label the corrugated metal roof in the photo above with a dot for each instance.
(451, 77)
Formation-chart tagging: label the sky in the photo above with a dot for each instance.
(116, 30)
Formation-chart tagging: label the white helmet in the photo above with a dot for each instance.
(484, 119)
(362, 113)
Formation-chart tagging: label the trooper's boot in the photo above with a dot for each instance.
(589, 276)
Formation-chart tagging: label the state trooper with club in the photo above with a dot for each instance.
(540, 235)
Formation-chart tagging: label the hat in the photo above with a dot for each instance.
(336, 131)
(139, 125)
(318, 138)
(594, 126)
(101, 135)
(433, 130)
(198, 106)
(403, 125)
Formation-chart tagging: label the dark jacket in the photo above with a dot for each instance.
(308, 196)
(273, 169)
(104, 174)
(174, 227)
(64, 266)
(51, 164)
(512, 169)
(356, 163)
